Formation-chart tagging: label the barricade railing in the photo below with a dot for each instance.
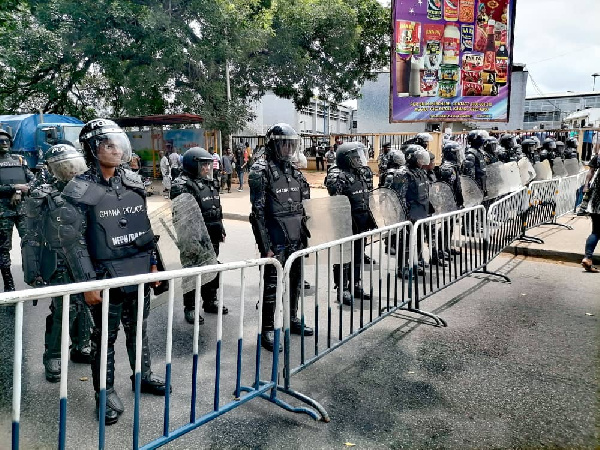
(506, 221)
(455, 244)
(542, 205)
(566, 196)
(257, 387)
(389, 251)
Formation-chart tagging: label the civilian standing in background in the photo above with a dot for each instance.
(247, 156)
(240, 166)
(586, 151)
(165, 171)
(227, 169)
(175, 163)
(216, 166)
(320, 155)
(591, 206)
(330, 158)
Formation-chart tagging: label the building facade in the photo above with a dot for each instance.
(549, 111)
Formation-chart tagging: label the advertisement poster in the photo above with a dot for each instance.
(451, 60)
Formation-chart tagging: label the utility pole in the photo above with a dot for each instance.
(230, 138)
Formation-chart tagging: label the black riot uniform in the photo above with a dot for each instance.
(206, 192)
(474, 165)
(449, 171)
(412, 187)
(549, 151)
(105, 233)
(278, 221)
(350, 178)
(490, 150)
(382, 162)
(44, 261)
(529, 147)
(508, 150)
(14, 174)
(571, 149)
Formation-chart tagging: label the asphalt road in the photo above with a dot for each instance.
(517, 367)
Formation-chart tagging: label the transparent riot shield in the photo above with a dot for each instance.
(558, 168)
(192, 239)
(543, 171)
(442, 198)
(571, 166)
(472, 194)
(513, 177)
(386, 207)
(329, 219)
(497, 178)
(526, 171)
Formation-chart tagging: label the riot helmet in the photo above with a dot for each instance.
(282, 142)
(347, 156)
(198, 163)
(476, 138)
(538, 144)
(417, 157)
(507, 141)
(64, 162)
(423, 139)
(528, 145)
(451, 151)
(386, 147)
(5, 141)
(549, 144)
(363, 153)
(396, 159)
(560, 147)
(572, 142)
(104, 141)
(490, 145)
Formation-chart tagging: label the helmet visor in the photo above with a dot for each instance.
(111, 149)
(205, 170)
(66, 168)
(287, 149)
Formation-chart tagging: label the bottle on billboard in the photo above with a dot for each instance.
(450, 10)
(414, 86)
(402, 75)
(502, 65)
(489, 57)
(434, 9)
(466, 11)
(451, 44)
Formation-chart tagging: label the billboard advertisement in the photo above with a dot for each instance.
(451, 60)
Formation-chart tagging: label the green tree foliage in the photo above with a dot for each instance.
(134, 57)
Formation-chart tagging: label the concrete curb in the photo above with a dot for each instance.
(234, 216)
(553, 255)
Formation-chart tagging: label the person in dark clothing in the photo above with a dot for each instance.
(278, 222)
(197, 179)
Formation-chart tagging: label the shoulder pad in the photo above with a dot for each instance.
(42, 191)
(131, 179)
(84, 191)
(259, 166)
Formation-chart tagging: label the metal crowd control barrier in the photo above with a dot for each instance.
(456, 247)
(264, 389)
(506, 220)
(542, 206)
(566, 197)
(389, 293)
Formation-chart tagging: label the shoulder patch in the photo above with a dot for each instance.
(131, 179)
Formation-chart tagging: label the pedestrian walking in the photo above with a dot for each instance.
(165, 171)
(591, 206)
(227, 170)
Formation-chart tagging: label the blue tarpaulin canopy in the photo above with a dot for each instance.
(23, 128)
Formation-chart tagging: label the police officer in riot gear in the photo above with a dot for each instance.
(105, 233)
(548, 150)
(449, 171)
(423, 139)
(382, 162)
(15, 180)
(474, 165)
(197, 179)
(44, 261)
(278, 221)
(396, 161)
(560, 149)
(490, 150)
(507, 151)
(351, 178)
(571, 150)
(529, 147)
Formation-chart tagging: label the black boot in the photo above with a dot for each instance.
(267, 340)
(210, 302)
(114, 405)
(9, 283)
(51, 368)
(189, 311)
(359, 293)
(81, 355)
(151, 383)
(80, 331)
(296, 327)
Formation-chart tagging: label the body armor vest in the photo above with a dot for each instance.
(283, 204)
(12, 170)
(118, 226)
(208, 200)
(357, 189)
(417, 195)
(448, 173)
